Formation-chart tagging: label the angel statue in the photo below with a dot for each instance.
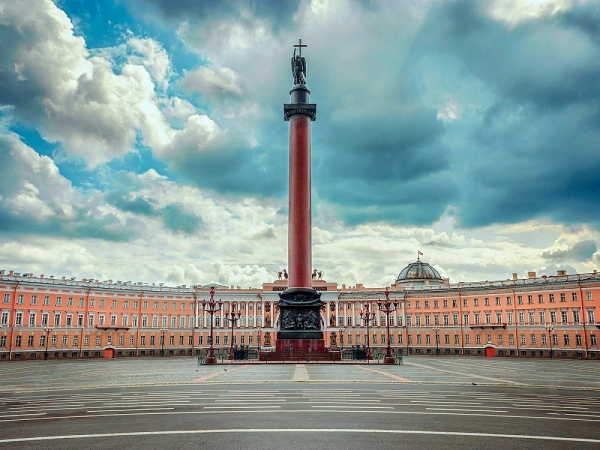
(298, 68)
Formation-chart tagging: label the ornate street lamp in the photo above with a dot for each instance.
(341, 330)
(234, 318)
(48, 330)
(388, 307)
(162, 341)
(367, 317)
(258, 330)
(550, 329)
(211, 307)
(436, 330)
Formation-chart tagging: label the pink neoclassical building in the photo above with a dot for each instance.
(531, 317)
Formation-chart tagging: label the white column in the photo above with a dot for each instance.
(337, 308)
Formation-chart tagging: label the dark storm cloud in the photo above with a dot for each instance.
(534, 151)
(174, 216)
(581, 251)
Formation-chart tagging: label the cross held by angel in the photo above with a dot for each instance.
(299, 65)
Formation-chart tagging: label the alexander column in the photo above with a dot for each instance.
(300, 304)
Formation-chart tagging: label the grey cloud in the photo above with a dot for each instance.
(174, 216)
(278, 13)
(581, 251)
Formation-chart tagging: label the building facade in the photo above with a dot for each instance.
(532, 317)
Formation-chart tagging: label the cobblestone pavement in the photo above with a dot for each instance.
(78, 374)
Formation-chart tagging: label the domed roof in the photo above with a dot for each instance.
(419, 272)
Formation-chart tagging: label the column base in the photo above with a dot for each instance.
(210, 360)
(389, 360)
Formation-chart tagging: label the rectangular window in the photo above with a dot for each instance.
(20, 299)
(86, 340)
(530, 299)
(574, 296)
(553, 316)
(32, 319)
(92, 302)
(533, 341)
(142, 340)
(576, 316)
(509, 316)
(113, 319)
(497, 301)
(478, 339)
(114, 304)
(522, 339)
(475, 302)
(542, 316)
(98, 341)
(498, 317)
(436, 304)
(544, 340)
(509, 300)
(171, 340)
(593, 340)
(101, 319)
(65, 341)
(125, 304)
(540, 298)
(174, 306)
(90, 320)
(4, 317)
(590, 314)
(499, 339)
(467, 339)
(70, 301)
(566, 339)
(125, 319)
(551, 298)
(519, 299)
(75, 341)
(511, 339)
(427, 321)
(46, 300)
(531, 317)
(454, 304)
(134, 321)
(445, 303)
(18, 341)
(578, 340)
(154, 321)
(69, 319)
(6, 298)
(34, 299)
(563, 317)
(44, 319)
(131, 341)
(101, 303)
(447, 338)
(455, 318)
(58, 301)
(144, 321)
(588, 296)
(426, 304)
(486, 302)
(135, 304)
(165, 305)
(57, 319)
(465, 302)
(152, 340)
(173, 321)
(563, 297)
(466, 319)
(521, 317)
(30, 341)
(81, 302)
(476, 318)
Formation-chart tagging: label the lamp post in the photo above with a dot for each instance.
(436, 330)
(48, 330)
(234, 318)
(258, 330)
(211, 307)
(550, 329)
(388, 307)
(341, 330)
(162, 341)
(367, 317)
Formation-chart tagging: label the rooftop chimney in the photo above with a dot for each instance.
(561, 273)
(531, 274)
(515, 276)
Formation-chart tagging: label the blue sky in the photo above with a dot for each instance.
(144, 139)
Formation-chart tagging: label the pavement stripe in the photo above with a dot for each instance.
(300, 373)
(395, 377)
(303, 431)
(216, 374)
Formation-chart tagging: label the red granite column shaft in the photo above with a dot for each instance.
(299, 231)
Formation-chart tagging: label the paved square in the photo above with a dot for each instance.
(78, 374)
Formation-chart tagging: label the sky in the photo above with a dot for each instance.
(144, 140)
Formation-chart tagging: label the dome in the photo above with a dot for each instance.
(419, 272)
